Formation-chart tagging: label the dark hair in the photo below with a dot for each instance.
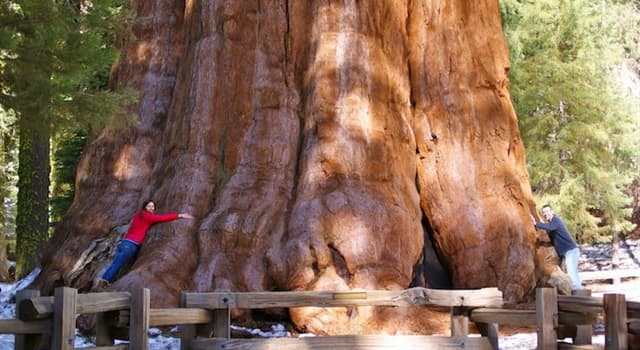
(144, 205)
(547, 206)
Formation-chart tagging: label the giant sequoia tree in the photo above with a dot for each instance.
(320, 144)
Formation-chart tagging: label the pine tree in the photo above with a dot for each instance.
(50, 55)
(579, 121)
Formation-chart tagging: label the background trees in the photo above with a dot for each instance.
(8, 190)
(53, 55)
(68, 149)
(574, 83)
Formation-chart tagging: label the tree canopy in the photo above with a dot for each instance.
(574, 71)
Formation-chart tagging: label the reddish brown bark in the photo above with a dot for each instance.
(472, 174)
(311, 139)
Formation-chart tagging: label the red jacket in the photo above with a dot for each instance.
(142, 220)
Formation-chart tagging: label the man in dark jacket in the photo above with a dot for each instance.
(562, 241)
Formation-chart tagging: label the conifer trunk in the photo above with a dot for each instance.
(32, 223)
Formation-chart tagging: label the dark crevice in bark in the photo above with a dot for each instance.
(297, 167)
(407, 30)
(351, 311)
(286, 38)
(432, 269)
(417, 277)
(340, 264)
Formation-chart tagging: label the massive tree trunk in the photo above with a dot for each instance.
(319, 143)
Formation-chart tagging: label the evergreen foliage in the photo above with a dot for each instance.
(572, 84)
(8, 173)
(51, 53)
(8, 190)
(65, 159)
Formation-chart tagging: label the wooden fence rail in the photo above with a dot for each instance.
(49, 322)
(615, 276)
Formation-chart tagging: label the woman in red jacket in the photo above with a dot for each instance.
(130, 244)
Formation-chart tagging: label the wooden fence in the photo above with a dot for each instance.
(204, 319)
(222, 303)
(614, 277)
(560, 317)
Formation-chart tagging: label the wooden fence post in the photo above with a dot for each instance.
(139, 319)
(459, 322)
(64, 318)
(584, 333)
(615, 321)
(31, 341)
(489, 330)
(103, 331)
(547, 318)
(222, 323)
(222, 317)
(187, 331)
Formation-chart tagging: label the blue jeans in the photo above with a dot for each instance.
(125, 252)
(571, 258)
